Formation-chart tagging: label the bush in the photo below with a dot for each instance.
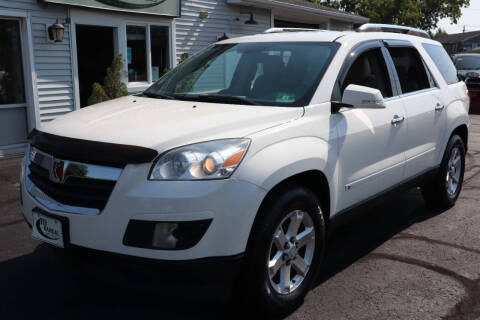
(113, 87)
(98, 94)
(184, 56)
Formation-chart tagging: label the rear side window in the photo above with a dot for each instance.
(410, 69)
(443, 62)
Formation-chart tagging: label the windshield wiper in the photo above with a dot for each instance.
(227, 99)
(156, 95)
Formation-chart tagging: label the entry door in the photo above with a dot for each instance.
(371, 147)
(95, 53)
(13, 111)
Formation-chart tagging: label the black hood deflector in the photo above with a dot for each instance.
(101, 153)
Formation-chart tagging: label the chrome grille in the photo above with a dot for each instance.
(71, 183)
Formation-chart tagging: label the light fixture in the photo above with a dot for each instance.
(224, 37)
(56, 32)
(251, 20)
(203, 15)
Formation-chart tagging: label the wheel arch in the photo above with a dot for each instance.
(303, 160)
(462, 131)
(314, 180)
(457, 123)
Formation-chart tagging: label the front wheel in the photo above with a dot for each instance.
(444, 190)
(285, 251)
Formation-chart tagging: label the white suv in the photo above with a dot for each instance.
(251, 150)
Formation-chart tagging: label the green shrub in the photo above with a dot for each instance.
(98, 94)
(184, 56)
(113, 87)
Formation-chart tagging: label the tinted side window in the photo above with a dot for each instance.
(410, 69)
(370, 70)
(443, 62)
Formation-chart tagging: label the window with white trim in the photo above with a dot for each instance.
(147, 53)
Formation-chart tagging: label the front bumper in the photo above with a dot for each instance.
(231, 204)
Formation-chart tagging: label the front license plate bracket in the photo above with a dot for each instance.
(65, 231)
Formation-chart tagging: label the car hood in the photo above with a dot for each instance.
(464, 72)
(162, 124)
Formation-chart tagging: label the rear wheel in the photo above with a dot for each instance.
(285, 251)
(444, 190)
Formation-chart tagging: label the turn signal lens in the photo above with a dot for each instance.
(234, 160)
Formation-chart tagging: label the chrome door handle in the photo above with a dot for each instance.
(397, 120)
(439, 107)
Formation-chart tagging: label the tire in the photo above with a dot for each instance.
(263, 293)
(443, 191)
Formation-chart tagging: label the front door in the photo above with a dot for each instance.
(371, 147)
(13, 107)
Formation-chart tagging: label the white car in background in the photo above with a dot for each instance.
(251, 150)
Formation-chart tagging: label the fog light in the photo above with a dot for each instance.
(165, 235)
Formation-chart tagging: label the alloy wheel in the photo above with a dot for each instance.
(291, 252)
(454, 170)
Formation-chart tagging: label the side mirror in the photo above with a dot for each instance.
(363, 97)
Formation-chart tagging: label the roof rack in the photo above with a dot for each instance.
(378, 27)
(278, 30)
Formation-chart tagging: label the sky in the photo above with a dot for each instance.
(470, 19)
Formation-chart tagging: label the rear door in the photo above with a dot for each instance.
(424, 106)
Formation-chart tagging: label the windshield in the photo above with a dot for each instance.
(467, 62)
(271, 74)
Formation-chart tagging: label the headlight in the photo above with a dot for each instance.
(207, 160)
(472, 74)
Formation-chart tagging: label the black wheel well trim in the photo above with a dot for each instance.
(314, 180)
(462, 131)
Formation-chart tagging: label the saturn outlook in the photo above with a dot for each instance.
(252, 151)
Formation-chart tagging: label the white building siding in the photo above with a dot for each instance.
(52, 61)
(340, 25)
(53, 65)
(194, 34)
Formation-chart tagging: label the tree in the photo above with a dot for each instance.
(113, 86)
(440, 32)
(423, 14)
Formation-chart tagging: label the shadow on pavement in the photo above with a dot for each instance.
(47, 284)
(370, 230)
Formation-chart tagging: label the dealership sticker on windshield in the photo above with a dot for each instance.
(47, 229)
(285, 97)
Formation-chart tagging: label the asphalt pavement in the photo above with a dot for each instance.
(399, 260)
